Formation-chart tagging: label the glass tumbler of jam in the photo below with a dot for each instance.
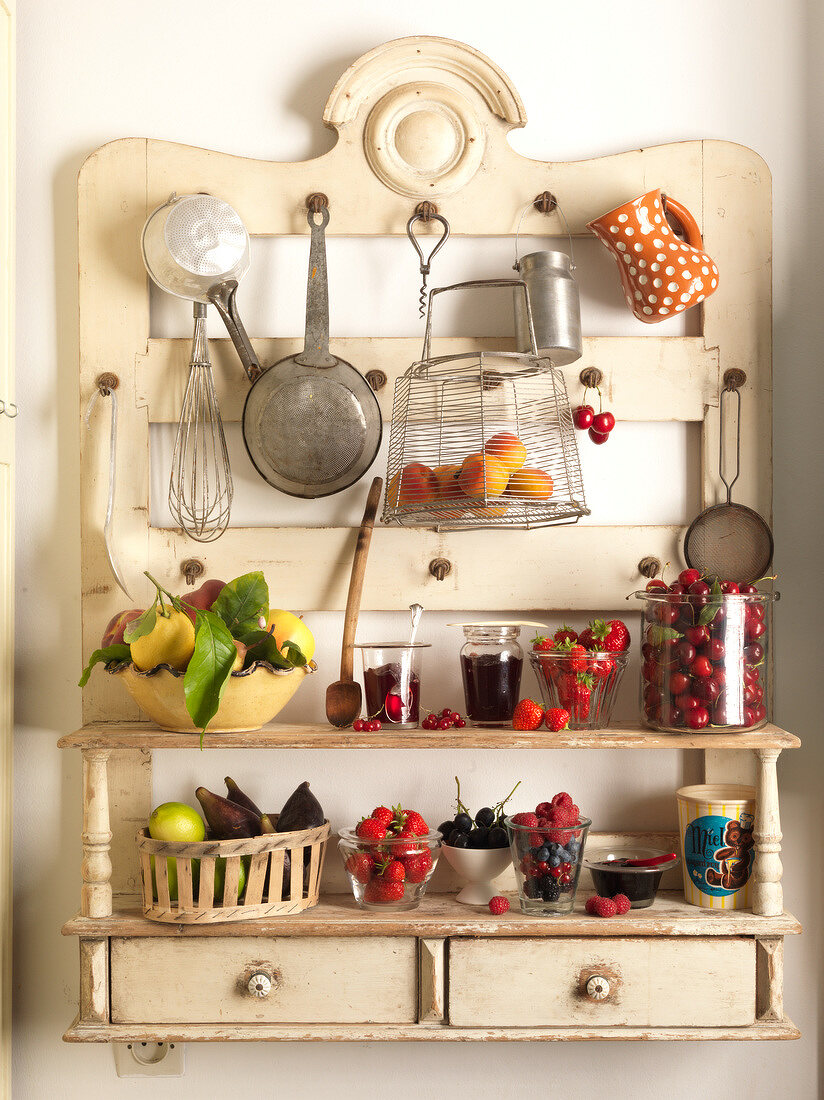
(392, 681)
(491, 664)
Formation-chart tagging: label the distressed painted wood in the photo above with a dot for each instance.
(767, 894)
(653, 983)
(94, 981)
(126, 735)
(769, 971)
(96, 867)
(431, 981)
(441, 916)
(356, 980)
(325, 1033)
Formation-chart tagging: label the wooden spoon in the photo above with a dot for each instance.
(343, 698)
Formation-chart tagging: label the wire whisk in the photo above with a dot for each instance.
(200, 486)
(426, 264)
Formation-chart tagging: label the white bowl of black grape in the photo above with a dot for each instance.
(477, 848)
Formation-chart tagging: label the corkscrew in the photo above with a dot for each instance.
(426, 213)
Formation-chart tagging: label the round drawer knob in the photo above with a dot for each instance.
(597, 988)
(260, 985)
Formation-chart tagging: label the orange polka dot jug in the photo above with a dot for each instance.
(661, 275)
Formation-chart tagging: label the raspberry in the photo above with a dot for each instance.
(530, 821)
(590, 904)
(605, 907)
(498, 906)
(561, 799)
(622, 904)
(542, 809)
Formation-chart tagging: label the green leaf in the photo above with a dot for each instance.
(118, 652)
(139, 628)
(241, 603)
(262, 646)
(659, 634)
(708, 613)
(295, 654)
(208, 670)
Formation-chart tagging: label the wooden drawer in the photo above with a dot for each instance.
(317, 980)
(666, 982)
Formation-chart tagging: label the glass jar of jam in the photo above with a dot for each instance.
(491, 665)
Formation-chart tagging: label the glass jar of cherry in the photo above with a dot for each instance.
(705, 656)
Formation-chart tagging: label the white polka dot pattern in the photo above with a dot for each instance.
(648, 243)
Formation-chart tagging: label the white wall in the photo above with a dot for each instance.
(251, 78)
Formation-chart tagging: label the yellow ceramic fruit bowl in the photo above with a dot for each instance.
(251, 699)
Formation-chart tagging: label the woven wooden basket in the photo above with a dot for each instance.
(268, 892)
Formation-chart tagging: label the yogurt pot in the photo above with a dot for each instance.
(715, 823)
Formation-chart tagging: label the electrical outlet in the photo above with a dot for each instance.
(148, 1059)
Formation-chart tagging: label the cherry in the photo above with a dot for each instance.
(686, 652)
(748, 590)
(754, 654)
(358, 725)
(678, 588)
(652, 696)
(373, 726)
(446, 712)
(603, 423)
(697, 635)
(730, 588)
(758, 695)
(701, 667)
(678, 683)
(749, 696)
(598, 437)
(759, 713)
(720, 676)
(657, 585)
(688, 577)
(454, 716)
(648, 651)
(672, 716)
(687, 703)
(667, 614)
(708, 690)
(754, 630)
(698, 718)
(582, 417)
(749, 716)
(716, 650)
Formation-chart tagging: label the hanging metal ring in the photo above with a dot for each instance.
(423, 217)
(545, 207)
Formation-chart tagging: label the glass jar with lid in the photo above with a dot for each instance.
(491, 665)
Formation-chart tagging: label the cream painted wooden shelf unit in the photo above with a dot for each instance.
(416, 118)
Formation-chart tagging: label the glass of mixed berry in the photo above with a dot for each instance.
(705, 653)
(547, 848)
(581, 673)
(389, 858)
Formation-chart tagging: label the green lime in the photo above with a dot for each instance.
(220, 878)
(176, 821)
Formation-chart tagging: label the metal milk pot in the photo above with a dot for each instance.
(556, 308)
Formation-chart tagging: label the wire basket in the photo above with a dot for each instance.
(482, 439)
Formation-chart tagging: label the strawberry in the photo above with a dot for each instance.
(557, 719)
(564, 634)
(359, 865)
(609, 637)
(416, 823)
(578, 658)
(370, 829)
(540, 643)
(394, 871)
(418, 866)
(381, 892)
(601, 667)
(580, 702)
(382, 814)
(527, 715)
(406, 849)
(529, 821)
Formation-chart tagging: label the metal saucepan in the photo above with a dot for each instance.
(311, 423)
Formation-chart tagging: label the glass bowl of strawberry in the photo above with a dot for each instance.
(582, 673)
(547, 848)
(389, 858)
(705, 655)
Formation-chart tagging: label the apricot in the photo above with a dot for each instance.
(531, 483)
(508, 449)
(483, 476)
(446, 478)
(415, 484)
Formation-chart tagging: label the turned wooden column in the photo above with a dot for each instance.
(767, 894)
(96, 868)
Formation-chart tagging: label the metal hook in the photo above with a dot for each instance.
(426, 264)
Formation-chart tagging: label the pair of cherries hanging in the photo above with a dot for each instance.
(599, 424)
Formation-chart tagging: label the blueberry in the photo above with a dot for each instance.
(555, 861)
(553, 847)
(498, 838)
(574, 847)
(485, 817)
(542, 855)
(463, 823)
(563, 855)
(458, 839)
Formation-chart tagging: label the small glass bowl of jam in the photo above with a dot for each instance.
(612, 875)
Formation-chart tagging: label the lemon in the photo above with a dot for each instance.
(170, 642)
(176, 821)
(289, 628)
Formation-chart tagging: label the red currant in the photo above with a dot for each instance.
(445, 724)
(582, 417)
(446, 713)
(461, 722)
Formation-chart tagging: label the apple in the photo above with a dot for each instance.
(113, 634)
(202, 598)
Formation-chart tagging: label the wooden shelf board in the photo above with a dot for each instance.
(362, 1033)
(441, 915)
(141, 735)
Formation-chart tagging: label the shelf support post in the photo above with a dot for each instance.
(767, 894)
(96, 868)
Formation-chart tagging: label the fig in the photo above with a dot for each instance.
(240, 798)
(227, 820)
(301, 811)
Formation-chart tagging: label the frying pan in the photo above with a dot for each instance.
(311, 423)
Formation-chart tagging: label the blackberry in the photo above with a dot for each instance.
(531, 888)
(550, 890)
(498, 838)
(485, 817)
